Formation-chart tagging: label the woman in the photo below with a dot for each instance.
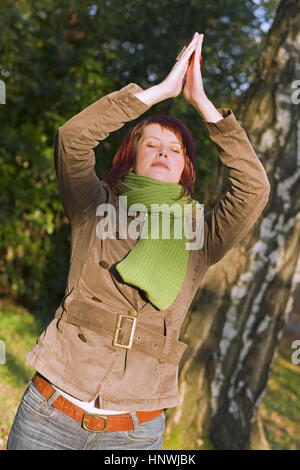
(107, 364)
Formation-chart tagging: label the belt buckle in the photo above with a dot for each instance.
(118, 328)
(95, 416)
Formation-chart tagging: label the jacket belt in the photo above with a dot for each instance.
(104, 322)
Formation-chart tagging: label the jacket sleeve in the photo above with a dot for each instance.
(74, 158)
(234, 215)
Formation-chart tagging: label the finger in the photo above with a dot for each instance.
(199, 44)
(196, 35)
(184, 50)
(198, 38)
(197, 56)
(188, 52)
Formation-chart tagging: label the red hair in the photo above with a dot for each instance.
(125, 156)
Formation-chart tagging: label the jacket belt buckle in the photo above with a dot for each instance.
(84, 425)
(118, 328)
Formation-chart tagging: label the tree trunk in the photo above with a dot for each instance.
(237, 318)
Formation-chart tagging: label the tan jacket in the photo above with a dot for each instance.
(76, 350)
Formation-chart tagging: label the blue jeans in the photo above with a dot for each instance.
(39, 426)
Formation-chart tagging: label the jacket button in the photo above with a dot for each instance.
(82, 337)
(104, 264)
(132, 313)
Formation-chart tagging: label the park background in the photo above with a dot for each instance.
(58, 57)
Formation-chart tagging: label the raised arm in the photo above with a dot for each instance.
(234, 215)
(74, 158)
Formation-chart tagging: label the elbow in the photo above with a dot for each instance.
(259, 196)
(58, 133)
(264, 195)
(266, 190)
(62, 134)
(264, 187)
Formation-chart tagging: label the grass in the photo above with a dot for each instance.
(280, 407)
(19, 329)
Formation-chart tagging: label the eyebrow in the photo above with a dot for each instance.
(157, 138)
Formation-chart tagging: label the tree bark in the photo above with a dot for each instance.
(237, 318)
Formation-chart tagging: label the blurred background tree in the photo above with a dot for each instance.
(56, 58)
(236, 322)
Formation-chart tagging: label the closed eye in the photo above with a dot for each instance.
(149, 145)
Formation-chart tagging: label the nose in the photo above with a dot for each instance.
(161, 152)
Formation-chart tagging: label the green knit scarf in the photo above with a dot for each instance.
(156, 265)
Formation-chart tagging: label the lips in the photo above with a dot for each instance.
(163, 165)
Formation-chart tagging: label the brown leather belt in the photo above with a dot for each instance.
(90, 421)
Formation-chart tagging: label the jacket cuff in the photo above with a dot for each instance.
(126, 96)
(227, 124)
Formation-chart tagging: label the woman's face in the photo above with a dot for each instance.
(159, 155)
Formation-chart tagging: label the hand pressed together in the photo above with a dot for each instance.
(184, 76)
(193, 85)
(186, 73)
